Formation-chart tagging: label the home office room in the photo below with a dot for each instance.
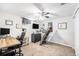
(38, 29)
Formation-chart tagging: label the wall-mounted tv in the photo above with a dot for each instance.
(35, 26)
(4, 31)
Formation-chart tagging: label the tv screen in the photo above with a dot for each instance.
(35, 26)
(4, 31)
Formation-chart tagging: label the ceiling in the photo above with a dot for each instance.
(33, 10)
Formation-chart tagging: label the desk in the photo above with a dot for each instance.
(9, 42)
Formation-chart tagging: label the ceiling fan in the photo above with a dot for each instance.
(43, 12)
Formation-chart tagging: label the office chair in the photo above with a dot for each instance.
(21, 38)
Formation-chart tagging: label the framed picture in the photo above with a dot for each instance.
(49, 24)
(25, 21)
(18, 26)
(8, 22)
(62, 25)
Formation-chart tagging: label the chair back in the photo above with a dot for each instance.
(22, 36)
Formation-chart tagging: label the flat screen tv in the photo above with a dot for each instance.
(35, 26)
(4, 31)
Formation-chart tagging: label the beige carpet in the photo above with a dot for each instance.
(50, 49)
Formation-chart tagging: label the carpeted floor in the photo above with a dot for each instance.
(50, 49)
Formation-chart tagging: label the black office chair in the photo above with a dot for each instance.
(21, 38)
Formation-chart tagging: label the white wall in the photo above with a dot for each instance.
(61, 36)
(76, 22)
(16, 20)
(30, 30)
(14, 32)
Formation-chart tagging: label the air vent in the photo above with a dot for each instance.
(63, 3)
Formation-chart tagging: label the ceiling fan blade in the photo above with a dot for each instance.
(39, 6)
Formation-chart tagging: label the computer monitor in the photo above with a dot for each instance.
(35, 26)
(4, 31)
